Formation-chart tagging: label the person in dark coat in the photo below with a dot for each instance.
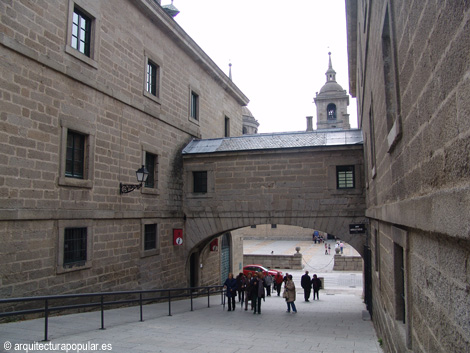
(230, 285)
(241, 284)
(306, 283)
(257, 292)
(249, 277)
(316, 284)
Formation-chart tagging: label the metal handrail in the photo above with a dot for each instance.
(47, 308)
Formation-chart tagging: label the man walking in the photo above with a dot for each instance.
(306, 283)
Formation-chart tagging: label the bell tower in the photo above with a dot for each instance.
(332, 103)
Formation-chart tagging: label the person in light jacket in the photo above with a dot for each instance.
(290, 298)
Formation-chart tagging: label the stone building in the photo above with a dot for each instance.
(410, 71)
(90, 92)
(332, 103)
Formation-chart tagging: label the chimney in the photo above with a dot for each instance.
(309, 123)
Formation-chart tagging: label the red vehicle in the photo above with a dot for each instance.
(258, 268)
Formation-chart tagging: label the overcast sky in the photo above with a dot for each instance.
(278, 50)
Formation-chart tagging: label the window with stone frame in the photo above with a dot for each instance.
(150, 236)
(200, 182)
(153, 78)
(75, 155)
(194, 106)
(345, 177)
(391, 85)
(227, 127)
(77, 146)
(151, 163)
(75, 246)
(81, 31)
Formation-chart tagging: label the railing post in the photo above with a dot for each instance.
(191, 295)
(141, 310)
(46, 319)
(102, 312)
(208, 297)
(169, 303)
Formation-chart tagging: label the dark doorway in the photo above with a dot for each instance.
(193, 270)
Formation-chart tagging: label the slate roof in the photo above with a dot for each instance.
(283, 140)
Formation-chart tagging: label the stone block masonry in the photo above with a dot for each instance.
(274, 261)
(49, 90)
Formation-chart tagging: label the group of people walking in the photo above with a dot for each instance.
(308, 283)
(254, 287)
(249, 288)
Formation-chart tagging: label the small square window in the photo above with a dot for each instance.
(194, 108)
(75, 155)
(345, 177)
(273, 226)
(75, 246)
(151, 161)
(150, 237)
(200, 182)
(153, 73)
(81, 32)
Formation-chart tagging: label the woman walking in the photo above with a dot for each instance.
(289, 294)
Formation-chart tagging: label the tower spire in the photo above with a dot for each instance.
(330, 73)
(230, 71)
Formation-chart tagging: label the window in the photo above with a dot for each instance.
(273, 226)
(200, 182)
(194, 106)
(377, 250)
(399, 269)
(75, 155)
(153, 73)
(150, 237)
(149, 240)
(81, 32)
(253, 226)
(75, 246)
(391, 86)
(151, 165)
(372, 139)
(77, 144)
(345, 177)
(227, 127)
(331, 111)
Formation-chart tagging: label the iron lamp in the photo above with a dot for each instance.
(141, 174)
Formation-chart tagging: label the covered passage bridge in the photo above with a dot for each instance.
(309, 179)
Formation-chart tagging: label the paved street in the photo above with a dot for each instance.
(335, 323)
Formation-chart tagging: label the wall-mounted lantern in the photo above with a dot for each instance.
(142, 175)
